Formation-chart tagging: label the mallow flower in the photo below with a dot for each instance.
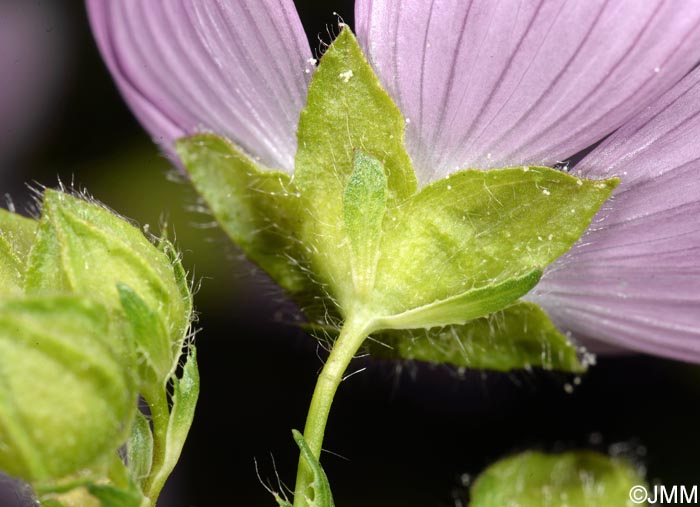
(410, 185)
(483, 85)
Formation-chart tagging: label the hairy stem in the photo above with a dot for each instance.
(354, 332)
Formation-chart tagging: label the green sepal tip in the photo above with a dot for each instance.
(520, 336)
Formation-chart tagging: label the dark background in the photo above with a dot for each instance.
(408, 434)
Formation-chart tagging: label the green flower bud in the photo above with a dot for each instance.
(92, 313)
(82, 248)
(573, 479)
(66, 397)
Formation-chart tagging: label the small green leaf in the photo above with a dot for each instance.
(179, 420)
(364, 204)
(572, 479)
(346, 110)
(139, 448)
(16, 238)
(321, 489)
(257, 208)
(85, 249)
(66, 395)
(478, 229)
(520, 336)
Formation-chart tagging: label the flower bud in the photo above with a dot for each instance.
(82, 248)
(66, 395)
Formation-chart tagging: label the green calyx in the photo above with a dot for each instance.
(92, 314)
(352, 230)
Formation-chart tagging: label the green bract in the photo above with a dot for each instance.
(353, 231)
(319, 491)
(572, 479)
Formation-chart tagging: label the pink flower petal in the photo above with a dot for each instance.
(633, 280)
(489, 83)
(239, 68)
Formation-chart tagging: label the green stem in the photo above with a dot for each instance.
(160, 414)
(353, 334)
